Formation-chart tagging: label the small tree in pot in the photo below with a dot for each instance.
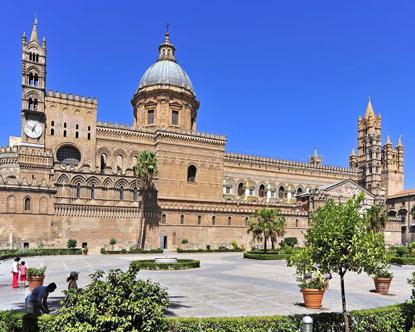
(382, 278)
(112, 243)
(35, 276)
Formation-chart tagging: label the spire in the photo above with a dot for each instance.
(166, 49)
(388, 140)
(315, 152)
(399, 142)
(369, 110)
(353, 154)
(33, 35)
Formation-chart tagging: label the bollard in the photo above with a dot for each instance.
(307, 324)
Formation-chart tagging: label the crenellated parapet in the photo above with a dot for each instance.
(71, 99)
(235, 158)
(124, 132)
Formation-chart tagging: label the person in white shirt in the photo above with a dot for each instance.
(15, 271)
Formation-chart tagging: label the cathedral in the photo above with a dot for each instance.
(68, 176)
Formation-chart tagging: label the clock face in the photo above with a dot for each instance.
(33, 129)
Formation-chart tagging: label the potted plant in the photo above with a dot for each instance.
(382, 279)
(313, 286)
(185, 242)
(35, 276)
(85, 251)
(112, 243)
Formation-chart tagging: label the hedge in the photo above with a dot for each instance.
(131, 251)
(402, 260)
(396, 318)
(7, 254)
(211, 250)
(150, 264)
(265, 257)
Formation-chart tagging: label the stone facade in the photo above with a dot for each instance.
(69, 176)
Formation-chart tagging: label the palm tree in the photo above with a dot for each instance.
(145, 170)
(278, 228)
(265, 224)
(377, 218)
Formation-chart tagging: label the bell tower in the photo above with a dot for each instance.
(33, 89)
(369, 151)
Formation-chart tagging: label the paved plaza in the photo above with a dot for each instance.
(225, 285)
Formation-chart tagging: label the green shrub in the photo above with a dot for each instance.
(288, 250)
(402, 260)
(185, 241)
(71, 244)
(7, 254)
(402, 250)
(233, 324)
(33, 271)
(289, 242)
(234, 244)
(131, 251)
(220, 249)
(150, 264)
(115, 301)
(396, 318)
(265, 257)
(208, 247)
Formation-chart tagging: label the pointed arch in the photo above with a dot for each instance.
(78, 179)
(63, 179)
(27, 204)
(43, 205)
(107, 183)
(11, 203)
(93, 180)
(122, 183)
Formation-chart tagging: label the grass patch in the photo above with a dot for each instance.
(150, 264)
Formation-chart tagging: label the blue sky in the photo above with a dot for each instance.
(277, 77)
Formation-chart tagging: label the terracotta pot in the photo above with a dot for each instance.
(382, 285)
(312, 297)
(84, 252)
(35, 281)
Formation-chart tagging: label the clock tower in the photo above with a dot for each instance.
(33, 89)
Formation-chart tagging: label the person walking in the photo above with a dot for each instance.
(22, 271)
(71, 280)
(37, 301)
(15, 272)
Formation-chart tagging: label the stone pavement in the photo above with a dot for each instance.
(225, 285)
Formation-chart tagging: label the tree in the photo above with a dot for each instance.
(112, 243)
(377, 217)
(266, 224)
(71, 244)
(145, 170)
(413, 212)
(115, 301)
(339, 240)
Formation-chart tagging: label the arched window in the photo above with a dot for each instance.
(103, 162)
(191, 173)
(199, 220)
(299, 191)
(229, 221)
(135, 194)
(261, 191)
(121, 193)
(76, 134)
(35, 104)
(27, 204)
(246, 221)
(37, 57)
(163, 218)
(30, 79)
(30, 104)
(36, 80)
(182, 219)
(281, 192)
(68, 155)
(213, 220)
(241, 189)
(93, 191)
(120, 161)
(78, 191)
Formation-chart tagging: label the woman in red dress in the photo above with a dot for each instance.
(15, 271)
